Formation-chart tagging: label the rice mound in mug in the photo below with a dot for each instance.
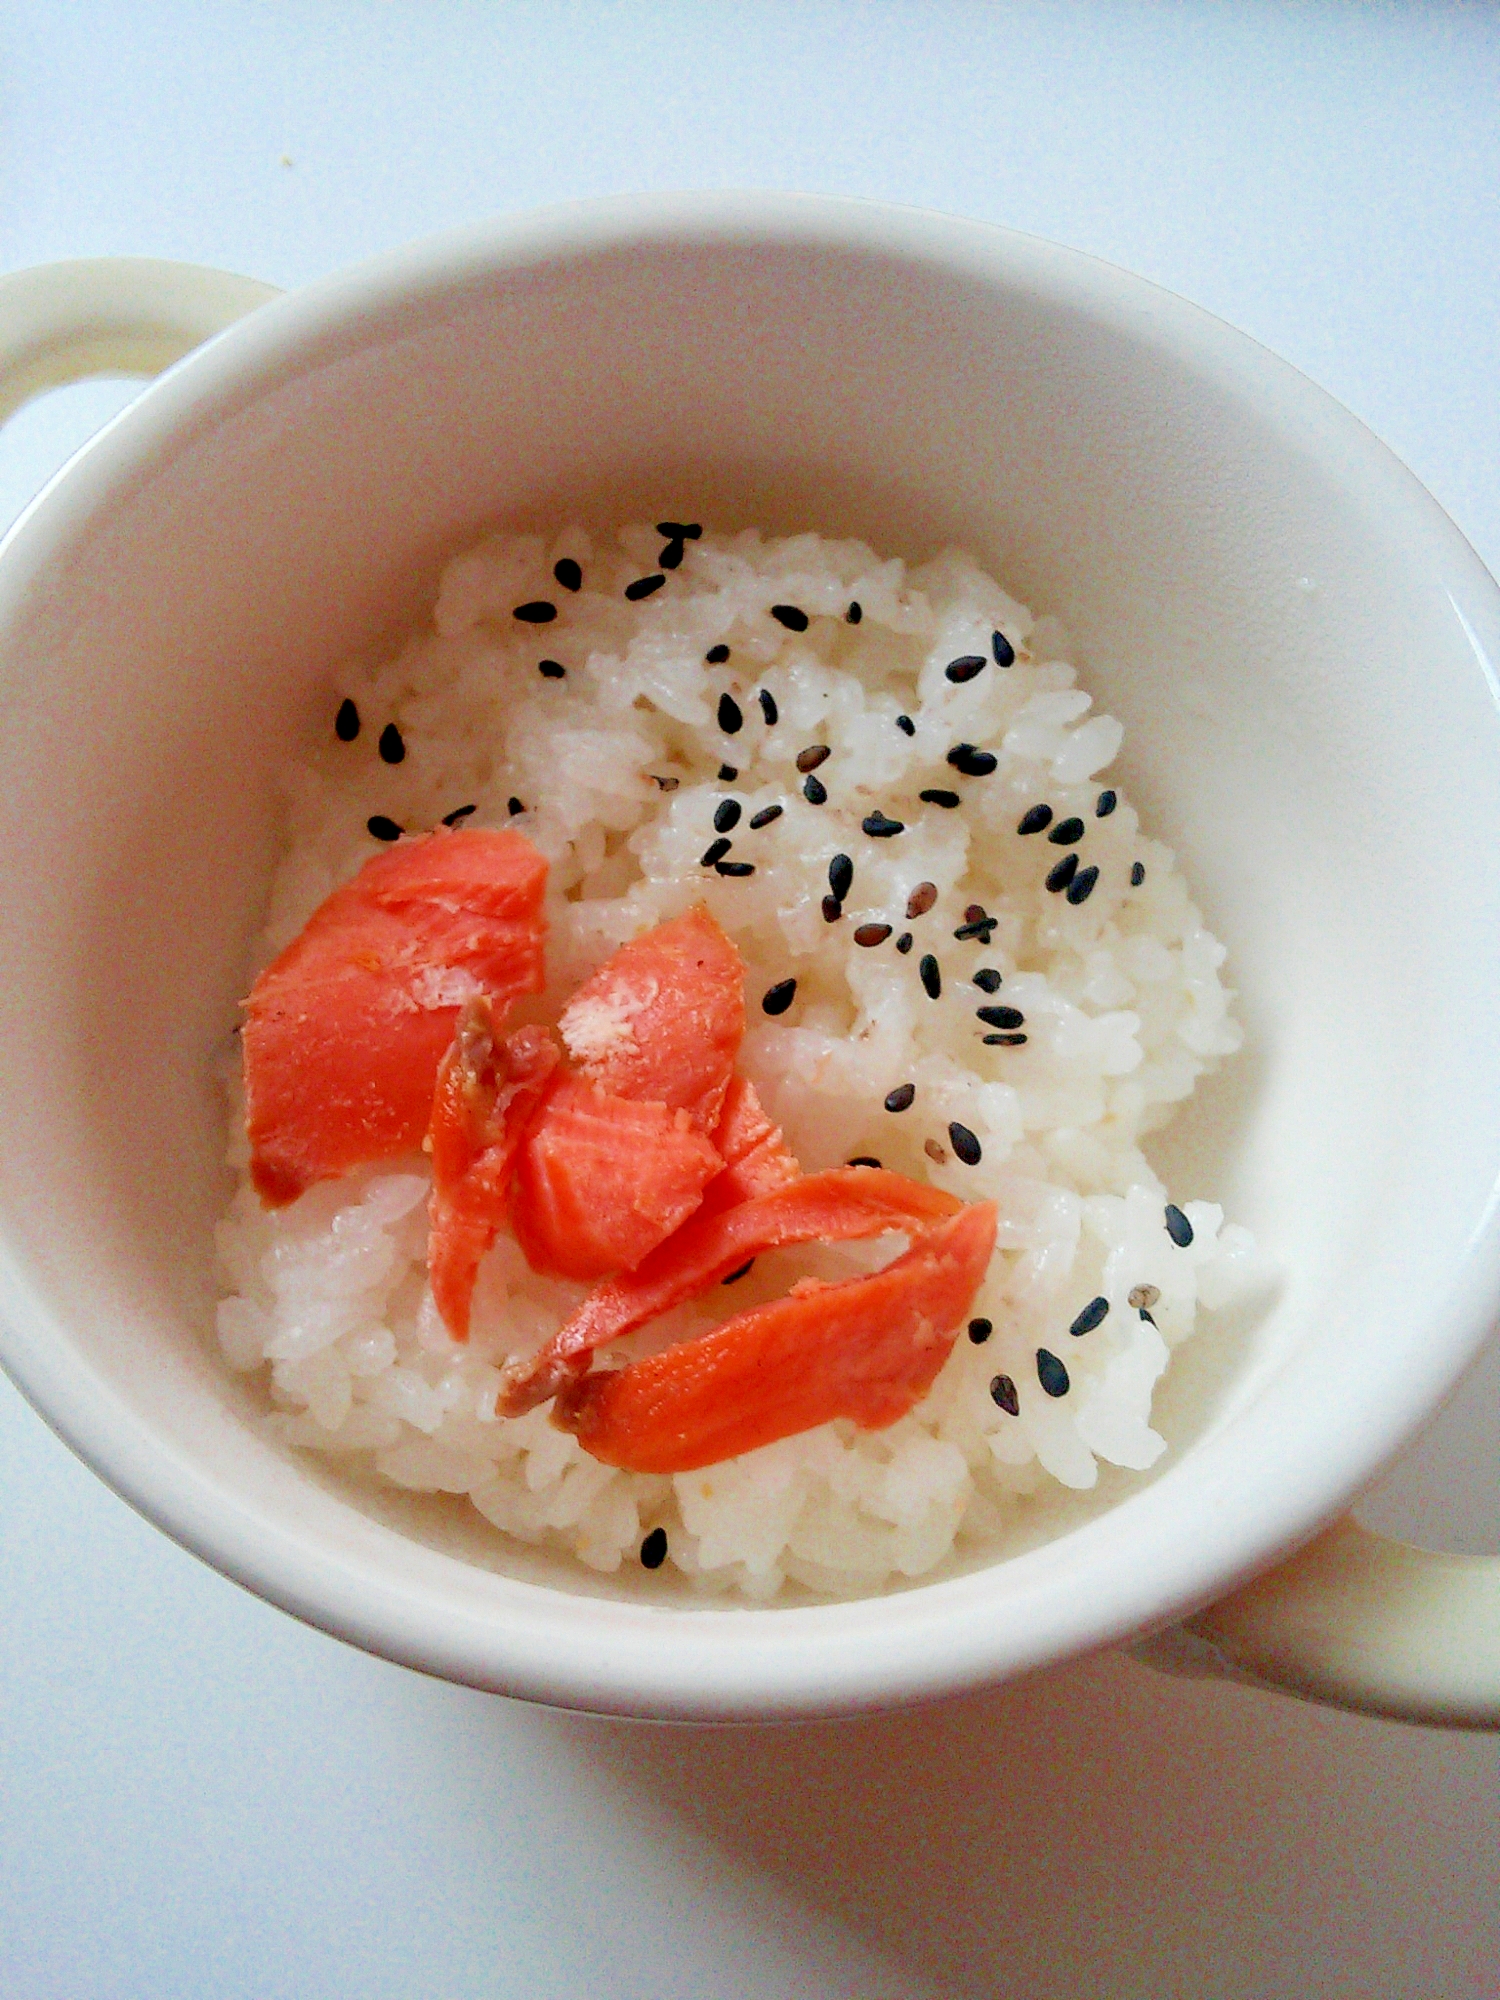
(827, 694)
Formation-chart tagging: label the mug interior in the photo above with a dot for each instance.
(1294, 637)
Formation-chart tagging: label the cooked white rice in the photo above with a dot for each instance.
(616, 766)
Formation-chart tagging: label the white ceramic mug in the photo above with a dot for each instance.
(1302, 646)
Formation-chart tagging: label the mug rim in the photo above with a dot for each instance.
(710, 1661)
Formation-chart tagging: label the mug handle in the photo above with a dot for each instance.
(1352, 1620)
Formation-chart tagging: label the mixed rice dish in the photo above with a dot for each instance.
(692, 1096)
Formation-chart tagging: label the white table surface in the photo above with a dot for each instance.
(200, 1798)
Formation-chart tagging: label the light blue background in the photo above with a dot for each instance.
(199, 1797)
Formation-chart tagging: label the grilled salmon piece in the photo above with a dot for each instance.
(344, 1031)
(868, 1350)
(756, 1157)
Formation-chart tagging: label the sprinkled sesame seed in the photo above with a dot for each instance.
(513, 806)
(1178, 1227)
(981, 927)
(670, 557)
(1004, 651)
(788, 615)
(1051, 1373)
(346, 722)
(764, 817)
(458, 813)
(731, 717)
(680, 531)
(863, 1160)
(654, 1549)
(936, 1153)
(855, 612)
(878, 827)
(814, 755)
(551, 670)
(381, 828)
(726, 815)
(727, 774)
(1067, 833)
(935, 797)
(904, 943)
(716, 655)
(568, 574)
(901, 1098)
(644, 586)
(392, 745)
(973, 912)
(666, 784)
(1003, 1391)
(1147, 1317)
(966, 667)
(1001, 1017)
(841, 875)
(980, 1331)
(833, 909)
(1142, 1296)
(1105, 804)
(1093, 1314)
(768, 707)
(814, 790)
(970, 762)
(714, 853)
(1034, 820)
(921, 899)
(1002, 1041)
(872, 934)
(736, 868)
(1137, 874)
(537, 612)
(905, 724)
(1063, 873)
(1082, 885)
(965, 1144)
(743, 1272)
(932, 978)
(987, 979)
(779, 997)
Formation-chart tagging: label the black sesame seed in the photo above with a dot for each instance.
(1137, 874)
(764, 817)
(814, 790)
(731, 718)
(872, 934)
(1082, 885)
(987, 979)
(1034, 820)
(863, 1160)
(932, 978)
(779, 997)
(901, 1098)
(736, 868)
(716, 655)
(966, 667)
(513, 806)
(671, 556)
(833, 909)
(1105, 804)
(965, 1144)
(568, 574)
(1002, 1041)
(788, 615)
(1003, 1391)
(537, 612)
(727, 774)
(970, 762)
(980, 1331)
(743, 1272)
(551, 670)
(1147, 1317)
(346, 722)
(1051, 1373)
(726, 815)
(1093, 1314)
(814, 755)
(654, 1549)
(1067, 833)
(680, 531)
(644, 586)
(904, 943)
(381, 828)
(1001, 1017)
(976, 924)
(392, 745)
(714, 853)
(878, 827)
(855, 612)
(841, 875)
(1063, 873)
(921, 899)
(1178, 1227)
(1004, 651)
(458, 813)
(934, 797)
(905, 724)
(768, 707)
